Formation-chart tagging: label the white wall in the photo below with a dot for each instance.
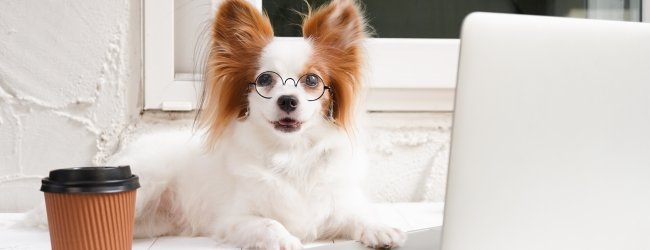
(69, 81)
(69, 92)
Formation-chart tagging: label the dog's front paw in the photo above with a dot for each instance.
(269, 234)
(278, 242)
(251, 232)
(379, 236)
(289, 243)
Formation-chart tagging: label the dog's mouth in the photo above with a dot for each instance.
(287, 125)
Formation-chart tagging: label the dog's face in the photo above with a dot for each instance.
(285, 86)
(287, 94)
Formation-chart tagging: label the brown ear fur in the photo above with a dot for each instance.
(239, 35)
(337, 31)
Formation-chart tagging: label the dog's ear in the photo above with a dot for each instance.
(337, 31)
(239, 34)
(238, 24)
(339, 24)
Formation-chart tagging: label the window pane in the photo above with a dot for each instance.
(443, 18)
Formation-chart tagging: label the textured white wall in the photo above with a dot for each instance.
(69, 87)
(69, 80)
(409, 155)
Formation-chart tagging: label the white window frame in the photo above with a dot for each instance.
(404, 74)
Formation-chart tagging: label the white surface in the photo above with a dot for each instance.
(406, 216)
(551, 146)
(69, 79)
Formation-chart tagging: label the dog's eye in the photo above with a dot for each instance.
(264, 80)
(312, 80)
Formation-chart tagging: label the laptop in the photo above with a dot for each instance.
(551, 140)
(550, 147)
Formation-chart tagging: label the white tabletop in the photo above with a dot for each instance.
(406, 216)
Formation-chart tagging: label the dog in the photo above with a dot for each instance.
(277, 162)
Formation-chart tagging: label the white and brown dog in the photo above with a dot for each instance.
(279, 164)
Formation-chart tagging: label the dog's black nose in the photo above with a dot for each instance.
(288, 103)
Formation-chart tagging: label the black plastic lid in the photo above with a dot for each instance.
(90, 180)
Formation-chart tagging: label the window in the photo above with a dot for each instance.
(413, 56)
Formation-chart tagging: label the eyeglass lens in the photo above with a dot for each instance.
(267, 83)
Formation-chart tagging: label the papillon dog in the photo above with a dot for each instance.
(279, 163)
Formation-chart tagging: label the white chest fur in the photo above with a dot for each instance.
(296, 184)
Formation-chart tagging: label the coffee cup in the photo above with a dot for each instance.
(90, 207)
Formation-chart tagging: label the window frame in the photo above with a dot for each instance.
(422, 84)
(392, 86)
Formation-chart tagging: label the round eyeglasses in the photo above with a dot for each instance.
(312, 84)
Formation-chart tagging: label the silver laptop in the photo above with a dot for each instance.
(551, 139)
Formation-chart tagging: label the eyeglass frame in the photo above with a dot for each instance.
(284, 82)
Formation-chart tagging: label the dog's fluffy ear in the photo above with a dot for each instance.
(339, 24)
(239, 34)
(337, 31)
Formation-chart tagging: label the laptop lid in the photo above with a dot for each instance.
(551, 140)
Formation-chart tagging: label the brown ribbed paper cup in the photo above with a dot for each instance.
(90, 207)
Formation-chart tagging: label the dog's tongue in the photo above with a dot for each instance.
(288, 122)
